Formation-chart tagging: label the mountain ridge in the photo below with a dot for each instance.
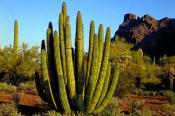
(154, 37)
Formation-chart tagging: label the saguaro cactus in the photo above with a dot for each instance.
(15, 45)
(71, 81)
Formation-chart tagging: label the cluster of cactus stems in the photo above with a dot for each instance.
(69, 81)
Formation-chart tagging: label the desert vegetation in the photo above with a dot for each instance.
(112, 78)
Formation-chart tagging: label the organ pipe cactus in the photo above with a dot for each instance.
(171, 78)
(70, 80)
(79, 54)
(15, 45)
(62, 46)
(69, 63)
(91, 39)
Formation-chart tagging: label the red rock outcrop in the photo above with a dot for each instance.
(155, 37)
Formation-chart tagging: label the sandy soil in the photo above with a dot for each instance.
(29, 100)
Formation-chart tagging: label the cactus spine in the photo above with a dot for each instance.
(15, 46)
(71, 80)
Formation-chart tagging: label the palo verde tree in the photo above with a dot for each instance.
(69, 80)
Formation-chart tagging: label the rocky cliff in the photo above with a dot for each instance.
(154, 37)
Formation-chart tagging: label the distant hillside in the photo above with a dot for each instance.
(155, 37)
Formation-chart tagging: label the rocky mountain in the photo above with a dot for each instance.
(154, 37)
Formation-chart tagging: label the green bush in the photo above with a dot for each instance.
(169, 94)
(19, 70)
(52, 113)
(30, 85)
(112, 107)
(145, 112)
(137, 104)
(4, 87)
(170, 108)
(9, 109)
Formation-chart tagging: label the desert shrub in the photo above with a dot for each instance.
(54, 113)
(135, 68)
(51, 113)
(137, 104)
(112, 108)
(16, 113)
(169, 94)
(4, 87)
(167, 60)
(30, 85)
(145, 112)
(170, 108)
(9, 109)
(108, 112)
(16, 70)
(140, 91)
(140, 72)
(125, 85)
(151, 79)
(120, 53)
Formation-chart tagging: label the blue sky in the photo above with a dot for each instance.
(33, 15)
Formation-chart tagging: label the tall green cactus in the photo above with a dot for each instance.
(93, 74)
(110, 91)
(15, 45)
(51, 63)
(171, 78)
(102, 74)
(105, 85)
(59, 71)
(39, 86)
(79, 55)
(100, 43)
(69, 65)
(62, 46)
(91, 41)
(45, 77)
(72, 80)
(64, 12)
